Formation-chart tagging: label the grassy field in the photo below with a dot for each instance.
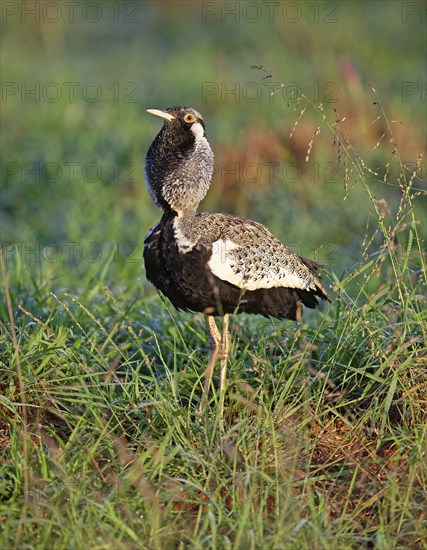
(323, 442)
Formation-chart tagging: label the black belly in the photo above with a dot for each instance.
(189, 284)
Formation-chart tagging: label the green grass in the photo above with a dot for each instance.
(323, 442)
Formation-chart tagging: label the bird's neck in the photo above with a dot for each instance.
(187, 214)
(185, 230)
(178, 178)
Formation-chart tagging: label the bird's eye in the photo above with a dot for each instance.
(189, 117)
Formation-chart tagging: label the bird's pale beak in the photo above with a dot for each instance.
(162, 114)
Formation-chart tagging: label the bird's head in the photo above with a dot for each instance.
(181, 120)
(179, 163)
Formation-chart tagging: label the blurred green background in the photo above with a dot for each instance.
(77, 78)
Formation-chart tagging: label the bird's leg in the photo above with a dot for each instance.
(214, 349)
(223, 358)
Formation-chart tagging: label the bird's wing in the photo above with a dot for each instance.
(248, 256)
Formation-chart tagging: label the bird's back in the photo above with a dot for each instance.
(220, 263)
